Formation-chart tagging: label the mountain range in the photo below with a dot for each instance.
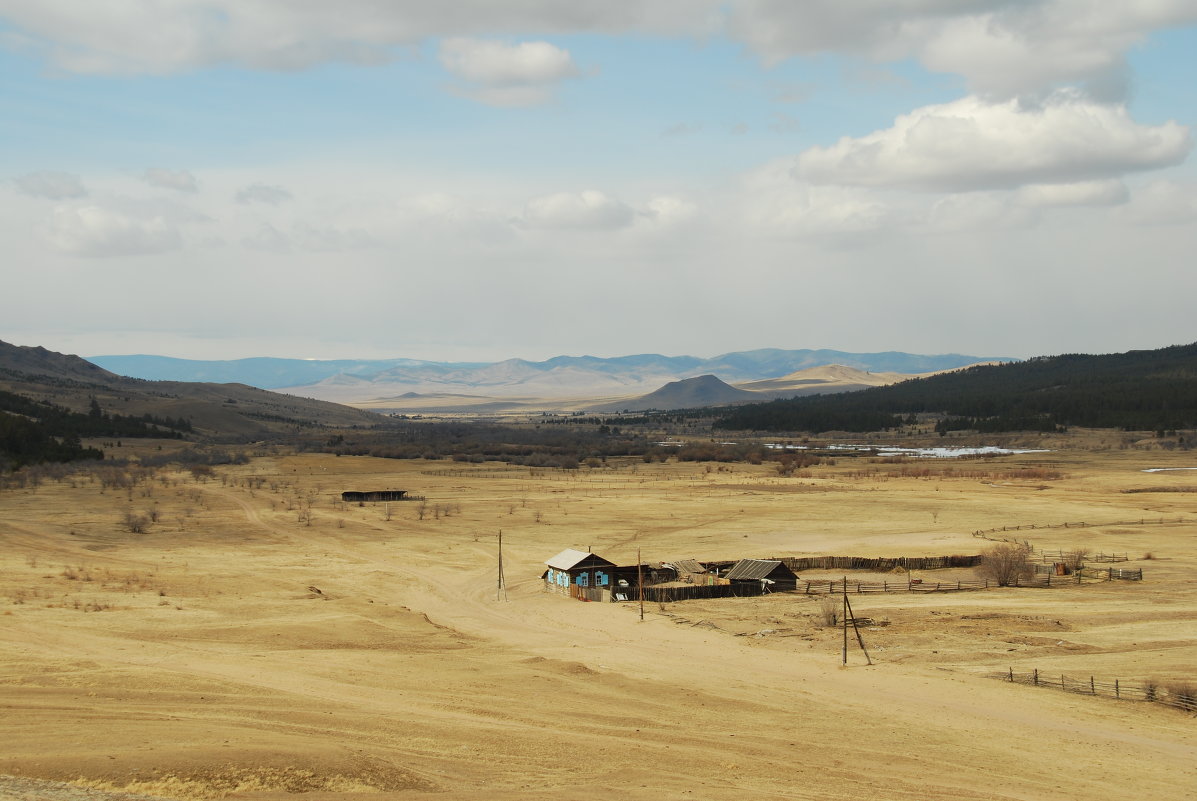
(407, 384)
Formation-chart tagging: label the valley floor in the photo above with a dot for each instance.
(262, 639)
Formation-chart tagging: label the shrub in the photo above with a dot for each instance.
(1075, 559)
(1183, 694)
(830, 607)
(1006, 563)
(135, 523)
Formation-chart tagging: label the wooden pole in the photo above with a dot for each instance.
(856, 628)
(640, 582)
(844, 615)
(501, 588)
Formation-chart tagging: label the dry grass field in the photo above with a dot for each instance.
(261, 639)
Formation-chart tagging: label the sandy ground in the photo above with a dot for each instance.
(262, 640)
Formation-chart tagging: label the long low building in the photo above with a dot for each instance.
(373, 497)
(775, 574)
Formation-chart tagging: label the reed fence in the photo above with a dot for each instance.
(1180, 695)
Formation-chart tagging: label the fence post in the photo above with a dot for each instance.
(1035, 677)
(1117, 690)
(1012, 675)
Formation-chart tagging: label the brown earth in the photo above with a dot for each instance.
(263, 640)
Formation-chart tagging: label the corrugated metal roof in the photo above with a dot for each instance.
(570, 558)
(750, 569)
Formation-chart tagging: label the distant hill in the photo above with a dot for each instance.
(706, 391)
(363, 381)
(689, 393)
(1137, 390)
(825, 378)
(211, 410)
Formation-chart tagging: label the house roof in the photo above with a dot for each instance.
(749, 569)
(571, 558)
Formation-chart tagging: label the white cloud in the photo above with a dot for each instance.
(670, 210)
(1001, 47)
(769, 199)
(262, 193)
(178, 180)
(1161, 203)
(978, 212)
(1085, 193)
(52, 185)
(503, 74)
(589, 210)
(124, 36)
(498, 63)
(971, 144)
(98, 231)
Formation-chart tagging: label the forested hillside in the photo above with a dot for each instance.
(35, 431)
(1138, 390)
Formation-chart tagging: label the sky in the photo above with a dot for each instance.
(480, 180)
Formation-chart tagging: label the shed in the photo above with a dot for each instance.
(692, 571)
(577, 568)
(773, 573)
(373, 496)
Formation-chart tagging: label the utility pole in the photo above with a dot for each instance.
(640, 582)
(501, 589)
(848, 613)
(844, 619)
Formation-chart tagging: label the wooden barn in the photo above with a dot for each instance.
(373, 497)
(573, 568)
(773, 574)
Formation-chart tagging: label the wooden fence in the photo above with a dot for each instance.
(1142, 521)
(1181, 695)
(1065, 556)
(864, 587)
(801, 563)
(694, 592)
(917, 585)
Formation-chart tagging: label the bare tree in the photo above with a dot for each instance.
(135, 523)
(1006, 563)
(1075, 559)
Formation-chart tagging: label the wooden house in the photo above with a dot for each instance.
(772, 574)
(573, 568)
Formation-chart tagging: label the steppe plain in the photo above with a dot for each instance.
(263, 640)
